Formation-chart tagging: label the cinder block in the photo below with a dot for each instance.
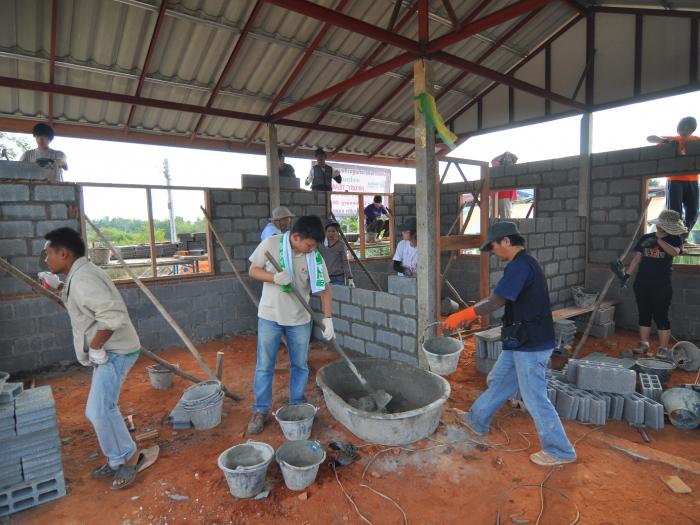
(375, 317)
(405, 358)
(362, 297)
(30, 494)
(374, 350)
(653, 414)
(602, 378)
(340, 293)
(409, 306)
(409, 344)
(406, 325)
(44, 227)
(390, 339)
(362, 331)
(55, 192)
(10, 247)
(242, 197)
(634, 409)
(16, 229)
(23, 211)
(402, 285)
(387, 301)
(350, 311)
(567, 403)
(354, 344)
(651, 386)
(9, 392)
(14, 192)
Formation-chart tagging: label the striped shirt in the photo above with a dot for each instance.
(33, 155)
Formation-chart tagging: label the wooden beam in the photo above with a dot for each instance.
(484, 269)
(450, 243)
(272, 162)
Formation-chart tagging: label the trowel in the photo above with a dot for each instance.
(379, 398)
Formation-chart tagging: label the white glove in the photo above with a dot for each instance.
(49, 280)
(351, 283)
(282, 278)
(328, 331)
(309, 178)
(97, 356)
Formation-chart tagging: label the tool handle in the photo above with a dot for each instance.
(306, 305)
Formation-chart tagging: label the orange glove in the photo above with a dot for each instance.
(464, 316)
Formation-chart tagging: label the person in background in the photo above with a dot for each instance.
(505, 198)
(406, 256)
(280, 312)
(285, 170)
(279, 222)
(527, 334)
(336, 256)
(103, 337)
(373, 217)
(321, 175)
(44, 156)
(653, 262)
(682, 190)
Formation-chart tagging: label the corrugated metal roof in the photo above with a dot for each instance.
(102, 45)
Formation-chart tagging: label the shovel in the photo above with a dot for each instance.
(379, 397)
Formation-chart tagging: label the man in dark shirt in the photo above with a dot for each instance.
(528, 341)
(373, 217)
(285, 170)
(652, 286)
(321, 175)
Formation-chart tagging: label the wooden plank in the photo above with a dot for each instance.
(459, 242)
(573, 311)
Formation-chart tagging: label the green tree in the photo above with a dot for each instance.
(14, 145)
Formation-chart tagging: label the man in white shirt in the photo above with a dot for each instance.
(280, 312)
(44, 156)
(279, 222)
(103, 337)
(406, 255)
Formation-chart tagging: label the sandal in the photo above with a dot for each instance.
(126, 473)
(642, 349)
(103, 471)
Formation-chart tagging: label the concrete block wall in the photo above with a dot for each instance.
(23, 171)
(28, 211)
(240, 215)
(375, 324)
(36, 333)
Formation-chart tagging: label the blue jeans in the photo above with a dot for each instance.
(338, 279)
(524, 370)
(103, 412)
(269, 335)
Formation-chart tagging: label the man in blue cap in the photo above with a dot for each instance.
(528, 341)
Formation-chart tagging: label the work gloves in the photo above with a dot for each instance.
(351, 283)
(49, 280)
(282, 278)
(97, 356)
(463, 316)
(328, 332)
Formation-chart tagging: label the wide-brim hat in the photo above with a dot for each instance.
(281, 212)
(409, 224)
(497, 231)
(670, 221)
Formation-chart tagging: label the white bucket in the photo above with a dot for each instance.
(442, 353)
(245, 467)
(299, 461)
(296, 420)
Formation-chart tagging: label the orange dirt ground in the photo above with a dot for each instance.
(457, 484)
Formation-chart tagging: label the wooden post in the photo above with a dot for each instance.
(219, 365)
(484, 270)
(361, 225)
(272, 158)
(584, 177)
(152, 233)
(427, 207)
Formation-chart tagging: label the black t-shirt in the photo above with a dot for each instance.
(656, 265)
(287, 170)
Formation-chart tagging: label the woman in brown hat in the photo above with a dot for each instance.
(653, 262)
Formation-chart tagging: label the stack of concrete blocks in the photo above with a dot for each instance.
(24, 171)
(600, 357)
(651, 386)
(582, 384)
(603, 324)
(31, 472)
(564, 333)
(376, 324)
(488, 348)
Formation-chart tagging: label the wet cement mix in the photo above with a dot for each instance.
(446, 479)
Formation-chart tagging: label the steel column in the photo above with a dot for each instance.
(52, 55)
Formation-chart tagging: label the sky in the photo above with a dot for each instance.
(119, 162)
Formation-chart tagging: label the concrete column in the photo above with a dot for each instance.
(427, 208)
(584, 180)
(272, 167)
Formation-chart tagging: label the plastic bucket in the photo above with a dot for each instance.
(296, 420)
(161, 378)
(206, 416)
(656, 366)
(245, 467)
(683, 407)
(299, 461)
(442, 353)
